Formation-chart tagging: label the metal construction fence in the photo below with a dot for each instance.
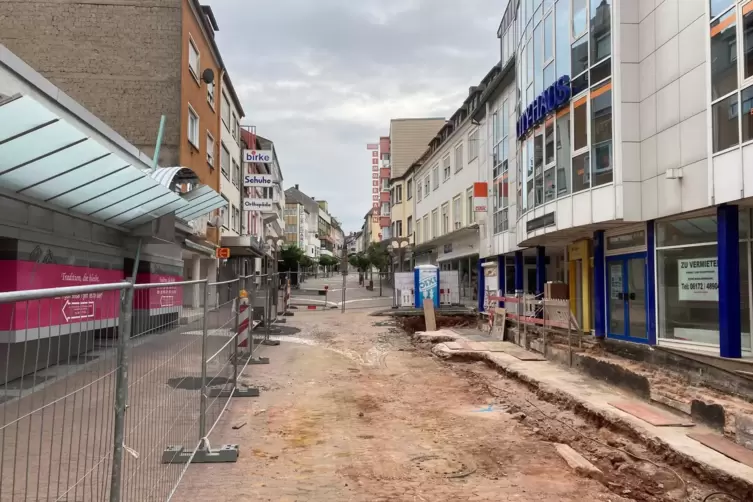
(111, 391)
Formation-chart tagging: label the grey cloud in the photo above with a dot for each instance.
(322, 78)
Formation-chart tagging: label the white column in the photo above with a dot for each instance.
(195, 276)
(212, 276)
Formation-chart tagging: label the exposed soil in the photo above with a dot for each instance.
(352, 411)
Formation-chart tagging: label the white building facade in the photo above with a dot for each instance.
(629, 167)
(231, 180)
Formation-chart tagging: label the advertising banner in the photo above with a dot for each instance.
(480, 197)
(257, 204)
(426, 285)
(261, 156)
(698, 280)
(258, 180)
(78, 310)
(161, 299)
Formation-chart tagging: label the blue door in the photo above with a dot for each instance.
(627, 310)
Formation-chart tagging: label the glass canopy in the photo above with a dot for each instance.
(47, 158)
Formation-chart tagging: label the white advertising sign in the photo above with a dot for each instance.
(264, 156)
(480, 204)
(258, 180)
(698, 280)
(257, 204)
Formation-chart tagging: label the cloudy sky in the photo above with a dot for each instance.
(321, 78)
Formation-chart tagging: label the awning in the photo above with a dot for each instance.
(201, 200)
(48, 158)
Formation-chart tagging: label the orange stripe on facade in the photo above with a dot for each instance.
(747, 7)
(563, 112)
(715, 30)
(601, 90)
(580, 102)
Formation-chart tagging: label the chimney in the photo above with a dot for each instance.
(296, 186)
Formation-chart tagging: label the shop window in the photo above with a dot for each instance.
(562, 37)
(580, 18)
(581, 172)
(601, 131)
(723, 55)
(748, 39)
(529, 172)
(580, 124)
(747, 115)
(601, 20)
(686, 232)
(579, 56)
(563, 154)
(724, 123)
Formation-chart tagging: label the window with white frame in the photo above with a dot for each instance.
(445, 218)
(234, 127)
(194, 59)
(418, 191)
(224, 160)
(473, 147)
(427, 237)
(385, 184)
(409, 225)
(236, 173)
(435, 175)
(419, 236)
(435, 224)
(427, 185)
(226, 213)
(210, 94)
(459, 157)
(457, 212)
(210, 150)
(731, 69)
(225, 112)
(234, 219)
(385, 209)
(409, 189)
(398, 194)
(398, 229)
(193, 127)
(445, 169)
(469, 213)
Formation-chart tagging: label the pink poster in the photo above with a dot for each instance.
(16, 275)
(164, 296)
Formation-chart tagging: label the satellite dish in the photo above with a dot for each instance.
(208, 76)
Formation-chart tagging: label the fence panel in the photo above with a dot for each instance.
(58, 388)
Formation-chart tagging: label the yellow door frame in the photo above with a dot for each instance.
(581, 251)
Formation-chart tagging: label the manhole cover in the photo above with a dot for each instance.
(443, 466)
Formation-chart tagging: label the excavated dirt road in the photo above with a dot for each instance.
(351, 411)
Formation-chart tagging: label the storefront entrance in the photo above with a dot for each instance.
(627, 306)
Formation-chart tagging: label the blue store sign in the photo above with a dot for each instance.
(552, 99)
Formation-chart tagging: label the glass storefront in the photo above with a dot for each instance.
(570, 150)
(687, 280)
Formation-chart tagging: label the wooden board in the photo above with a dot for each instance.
(429, 315)
(725, 447)
(513, 350)
(648, 413)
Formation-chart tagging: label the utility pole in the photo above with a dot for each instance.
(344, 267)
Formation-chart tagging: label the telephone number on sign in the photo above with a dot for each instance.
(700, 286)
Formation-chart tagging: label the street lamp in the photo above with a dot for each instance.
(399, 246)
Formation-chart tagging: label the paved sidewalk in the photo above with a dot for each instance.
(579, 391)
